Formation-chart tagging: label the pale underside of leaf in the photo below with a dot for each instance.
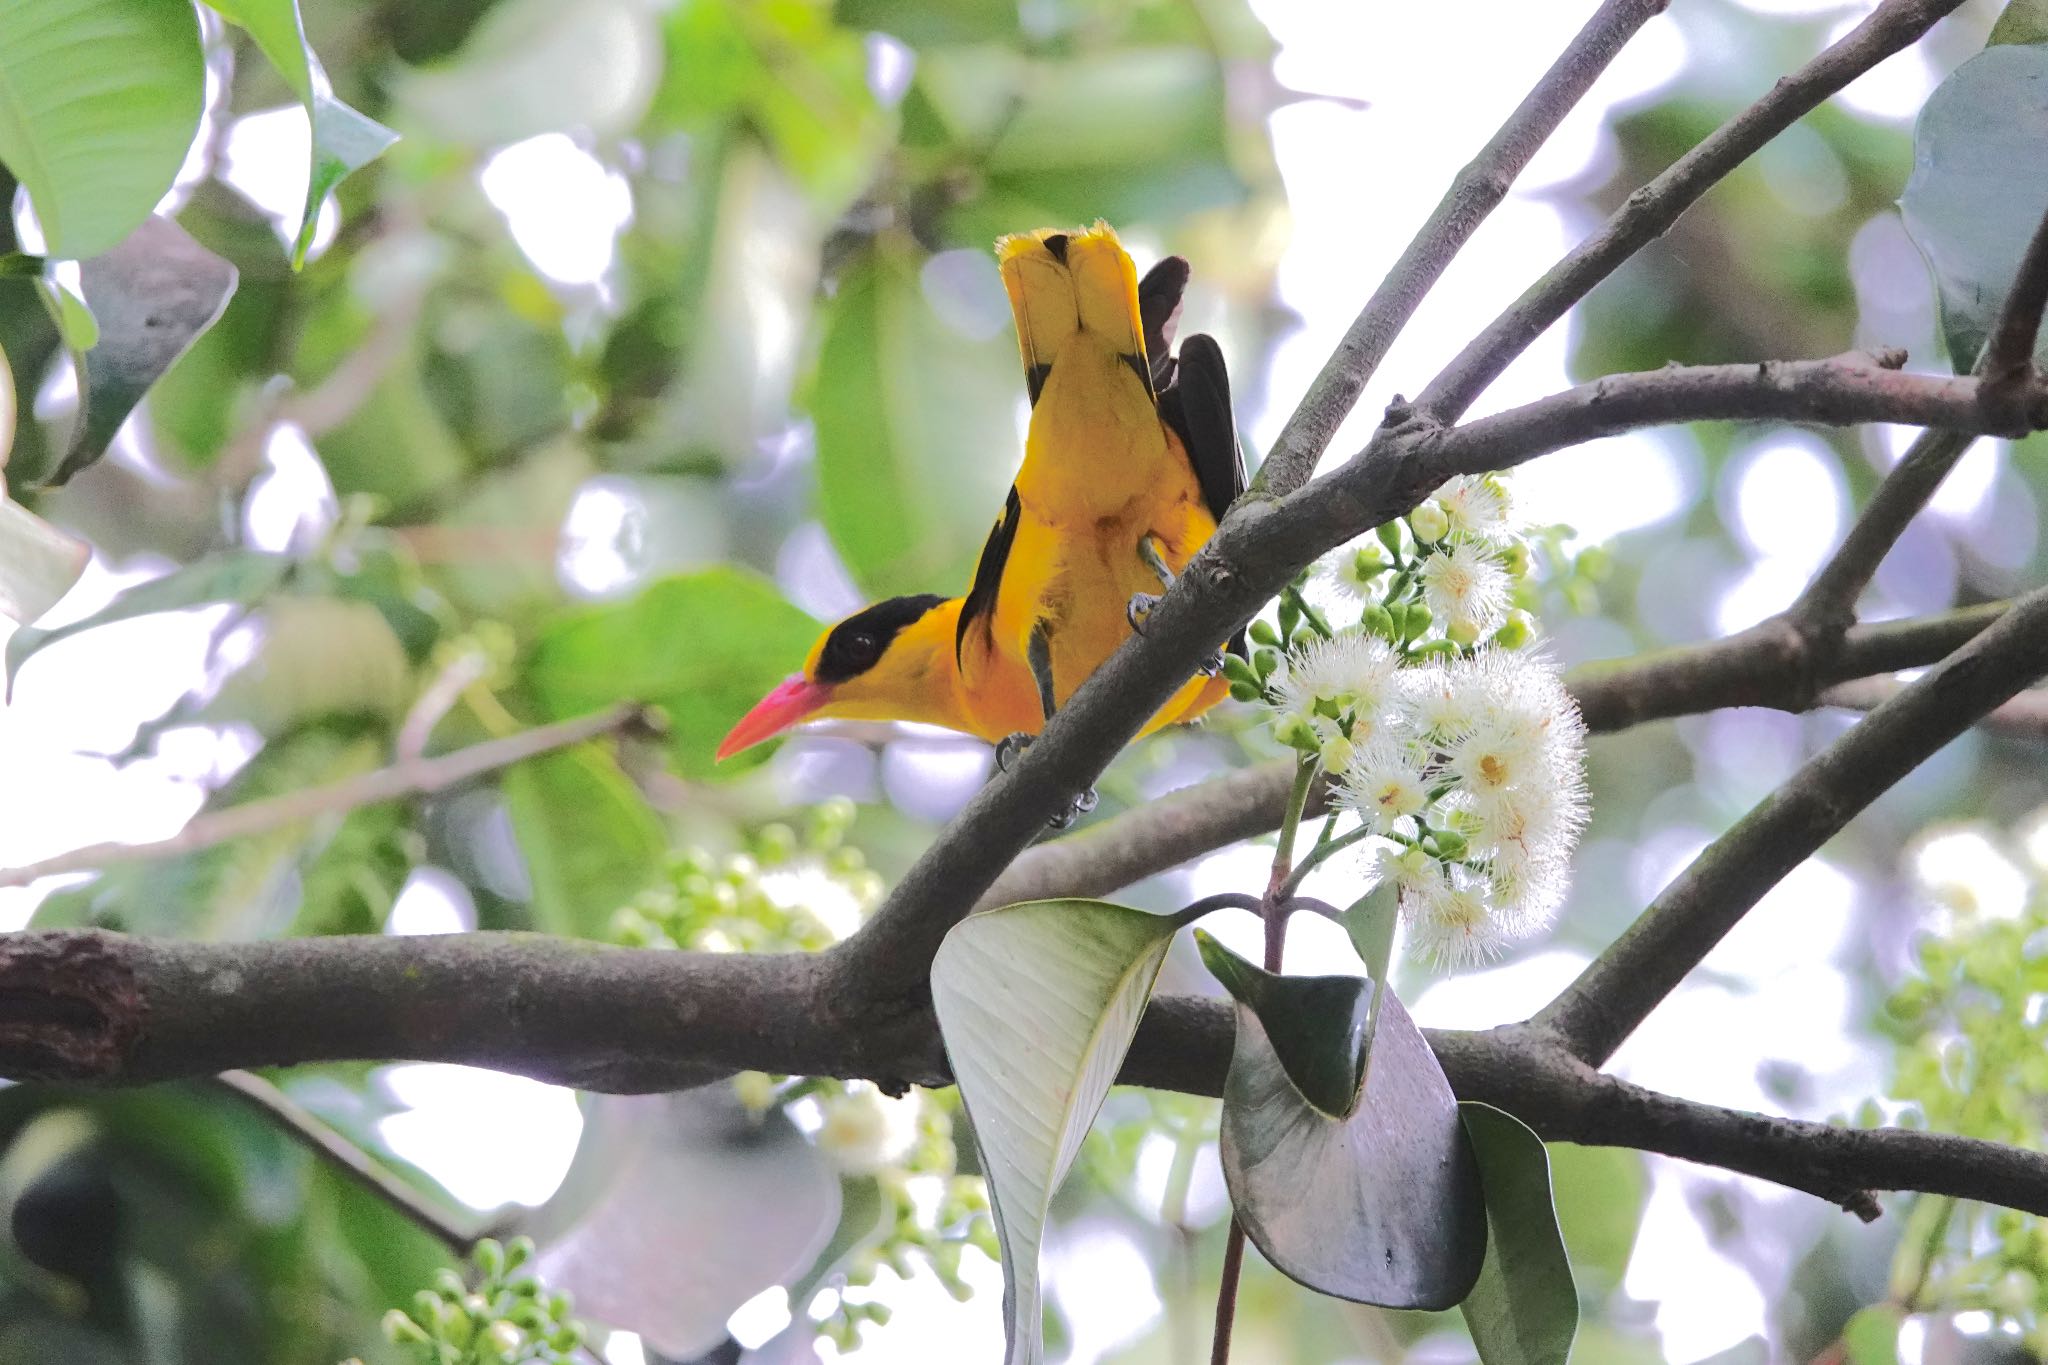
(1524, 1309)
(1037, 1004)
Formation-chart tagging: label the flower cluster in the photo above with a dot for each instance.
(498, 1317)
(803, 891)
(1461, 759)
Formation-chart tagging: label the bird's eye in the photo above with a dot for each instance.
(863, 649)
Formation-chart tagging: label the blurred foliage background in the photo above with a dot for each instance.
(669, 330)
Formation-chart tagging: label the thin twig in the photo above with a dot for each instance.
(309, 1130)
(1650, 211)
(1620, 988)
(1474, 194)
(2024, 717)
(414, 777)
(1828, 605)
(1226, 1294)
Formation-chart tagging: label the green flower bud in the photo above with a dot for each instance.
(1449, 843)
(1379, 621)
(1416, 621)
(1462, 632)
(1429, 522)
(448, 1284)
(1262, 632)
(489, 1257)
(1367, 562)
(1296, 733)
(830, 820)
(525, 1287)
(1514, 557)
(401, 1330)
(1244, 691)
(774, 844)
(1265, 661)
(1516, 631)
(1390, 536)
(1240, 671)
(1290, 617)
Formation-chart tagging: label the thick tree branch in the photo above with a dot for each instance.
(408, 777)
(1651, 210)
(1477, 191)
(1614, 994)
(139, 1010)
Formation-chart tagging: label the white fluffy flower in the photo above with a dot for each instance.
(1466, 589)
(1352, 670)
(1339, 574)
(1477, 506)
(863, 1131)
(1385, 784)
(1452, 920)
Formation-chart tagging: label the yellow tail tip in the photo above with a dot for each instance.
(1014, 245)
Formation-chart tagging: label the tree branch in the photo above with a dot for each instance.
(1620, 988)
(410, 777)
(2025, 717)
(1474, 194)
(88, 1006)
(1649, 212)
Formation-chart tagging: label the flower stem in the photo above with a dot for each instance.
(1317, 855)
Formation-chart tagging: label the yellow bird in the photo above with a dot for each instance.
(1130, 461)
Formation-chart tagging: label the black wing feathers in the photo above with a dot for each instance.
(988, 572)
(1158, 310)
(1198, 409)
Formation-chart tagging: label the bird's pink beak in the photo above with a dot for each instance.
(793, 699)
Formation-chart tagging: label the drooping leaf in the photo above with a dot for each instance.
(1524, 1309)
(344, 140)
(1979, 187)
(2023, 21)
(1370, 923)
(1316, 1024)
(99, 101)
(240, 576)
(591, 841)
(1383, 1207)
(152, 296)
(1037, 1003)
(1600, 1195)
(679, 1208)
(916, 429)
(703, 646)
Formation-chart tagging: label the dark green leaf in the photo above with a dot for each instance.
(703, 646)
(916, 430)
(2023, 21)
(152, 296)
(238, 576)
(1384, 1207)
(1979, 187)
(1037, 1004)
(343, 140)
(21, 264)
(1524, 1309)
(591, 841)
(1871, 1336)
(678, 1209)
(99, 100)
(1316, 1024)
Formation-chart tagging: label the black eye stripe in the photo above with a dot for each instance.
(858, 642)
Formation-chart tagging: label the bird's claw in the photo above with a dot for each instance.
(1211, 666)
(1083, 804)
(1139, 609)
(1010, 748)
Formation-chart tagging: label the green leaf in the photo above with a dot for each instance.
(1037, 1003)
(932, 22)
(703, 646)
(38, 565)
(99, 101)
(1601, 1192)
(1384, 1207)
(151, 297)
(350, 885)
(1871, 1336)
(916, 429)
(1370, 922)
(16, 263)
(1524, 1309)
(75, 322)
(1316, 1024)
(344, 140)
(591, 841)
(679, 1208)
(2024, 21)
(239, 576)
(535, 66)
(1979, 187)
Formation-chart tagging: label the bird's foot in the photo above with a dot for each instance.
(1083, 804)
(1211, 666)
(1139, 610)
(1010, 748)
